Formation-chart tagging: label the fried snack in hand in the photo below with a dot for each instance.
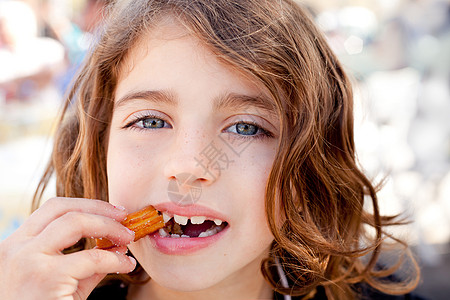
(142, 222)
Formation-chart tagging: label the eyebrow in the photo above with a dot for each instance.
(239, 101)
(226, 101)
(154, 96)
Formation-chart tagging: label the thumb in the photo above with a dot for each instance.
(86, 286)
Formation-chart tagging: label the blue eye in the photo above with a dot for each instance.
(248, 130)
(144, 122)
(151, 123)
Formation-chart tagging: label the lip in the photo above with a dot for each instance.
(184, 246)
(190, 211)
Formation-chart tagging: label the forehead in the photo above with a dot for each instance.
(168, 29)
(165, 29)
(159, 50)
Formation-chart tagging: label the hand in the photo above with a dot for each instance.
(32, 265)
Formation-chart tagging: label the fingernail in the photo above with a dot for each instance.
(119, 207)
(132, 260)
(130, 231)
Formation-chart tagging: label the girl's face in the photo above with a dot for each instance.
(195, 139)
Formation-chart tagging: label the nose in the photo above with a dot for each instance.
(193, 159)
(190, 167)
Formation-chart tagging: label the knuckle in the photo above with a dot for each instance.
(95, 256)
(74, 222)
(44, 265)
(74, 218)
(52, 202)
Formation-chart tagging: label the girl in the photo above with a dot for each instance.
(241, 102)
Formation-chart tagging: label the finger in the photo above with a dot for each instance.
(86, 286)
(71, 227)
(118, 249)
(84, 264)
(57, 207)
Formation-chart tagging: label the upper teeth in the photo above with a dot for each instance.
(198, 219)
(166, 217)
(182, 220)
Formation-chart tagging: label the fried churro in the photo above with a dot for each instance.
(142, 222)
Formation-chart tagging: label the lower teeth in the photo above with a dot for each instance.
(163, 233)
(212, 231)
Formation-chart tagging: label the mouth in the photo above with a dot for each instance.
(178, 226)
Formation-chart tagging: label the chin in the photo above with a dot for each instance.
(186, 281)
(185, 286)
(186, 274)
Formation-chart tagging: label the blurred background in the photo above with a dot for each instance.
(397, 51)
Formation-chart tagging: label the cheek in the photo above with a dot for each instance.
(252, 170)
(127, 170)
(249, 178)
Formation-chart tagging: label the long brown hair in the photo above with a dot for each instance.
(315, 187)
